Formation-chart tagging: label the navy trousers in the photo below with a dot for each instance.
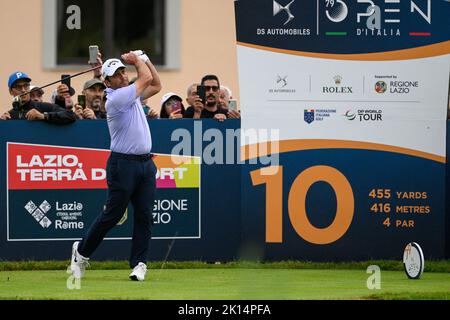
(130, 178)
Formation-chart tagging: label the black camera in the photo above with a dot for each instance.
(16, 104)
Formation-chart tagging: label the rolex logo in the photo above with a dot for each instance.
(338, 88)
(277, 8)
(337, 80)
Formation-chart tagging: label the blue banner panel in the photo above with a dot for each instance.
(54, 187)
(336, 204)
(397, 198)
(342, 26)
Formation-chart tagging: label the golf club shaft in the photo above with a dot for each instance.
(50, 84)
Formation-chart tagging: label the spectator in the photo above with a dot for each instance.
(93, 90)
(224, 97)
(36, 94)
(210, 108)
(171, 107)
(62, 97)
(25, 108)
(149, 112)
(224, 101)
(192, 112)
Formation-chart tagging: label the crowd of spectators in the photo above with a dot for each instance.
(206, 99)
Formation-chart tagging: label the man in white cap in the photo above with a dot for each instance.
(131, 173)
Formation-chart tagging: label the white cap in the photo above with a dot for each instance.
(110, 67)
(167, 97)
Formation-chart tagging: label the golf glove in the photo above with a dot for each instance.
(141, 55)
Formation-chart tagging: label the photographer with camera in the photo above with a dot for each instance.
(26, 109)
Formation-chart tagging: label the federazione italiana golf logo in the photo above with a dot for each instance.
(55, 193)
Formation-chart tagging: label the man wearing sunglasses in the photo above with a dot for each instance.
(210, 106)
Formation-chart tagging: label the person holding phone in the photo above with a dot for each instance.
(23, 108)
(90, 102)
(226, 102)
(207, 99)
(171, 107)
(63, 94)
(192, 112)
(130, 170)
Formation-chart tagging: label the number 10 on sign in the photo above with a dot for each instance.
(297, 203)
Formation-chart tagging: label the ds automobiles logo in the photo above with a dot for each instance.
(277, 8)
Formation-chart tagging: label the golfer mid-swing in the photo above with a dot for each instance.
(130, 168)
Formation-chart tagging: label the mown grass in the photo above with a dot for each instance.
(221, 284)
(442, 266)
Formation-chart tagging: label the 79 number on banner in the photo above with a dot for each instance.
(297, 203)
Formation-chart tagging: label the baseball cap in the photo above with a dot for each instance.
(34, 88)
(110, 67)
(167, 97)
(93, 82)
(17, 76)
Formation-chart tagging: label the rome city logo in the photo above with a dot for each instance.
(39, 213)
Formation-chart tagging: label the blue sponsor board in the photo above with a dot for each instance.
(342, 26)
(204, 223)
(411, 188)
(331, 204)
(69, 213)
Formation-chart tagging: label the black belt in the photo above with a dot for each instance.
(141, 157)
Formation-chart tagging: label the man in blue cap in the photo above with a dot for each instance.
(26, 109)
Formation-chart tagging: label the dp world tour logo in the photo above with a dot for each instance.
(350, 115)
(309, 116)
(277, 8)
(39, 213)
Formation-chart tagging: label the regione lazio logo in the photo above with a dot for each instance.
(380, 87)
(278, 8)
(309, 116)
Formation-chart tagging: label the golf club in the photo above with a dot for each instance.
(138, 52)
(50, 84)
(168, 251)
